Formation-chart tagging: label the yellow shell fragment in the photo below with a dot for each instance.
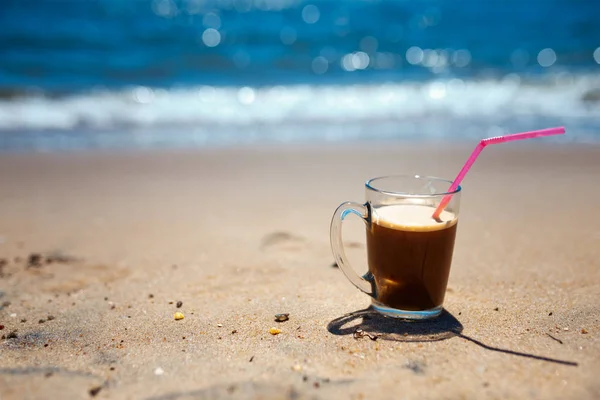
(178, 316)
(274, 331)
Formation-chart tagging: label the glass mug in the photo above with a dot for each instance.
(409, 253)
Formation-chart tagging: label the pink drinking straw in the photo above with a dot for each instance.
(484, 142)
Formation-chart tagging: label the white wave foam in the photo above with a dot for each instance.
(205, 106)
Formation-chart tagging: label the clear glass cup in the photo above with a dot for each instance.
(409, 253)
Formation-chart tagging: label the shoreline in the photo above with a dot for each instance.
(368, 146)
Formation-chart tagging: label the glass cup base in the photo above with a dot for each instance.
(403, 314)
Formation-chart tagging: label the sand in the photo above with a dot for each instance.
(239, 235)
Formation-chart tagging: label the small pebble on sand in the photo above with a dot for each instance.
(584, 331)
(179, 304)
(274, 331)
(95, 390)
(159, 371)
(282, 317)
(34, 260)
(178, 316)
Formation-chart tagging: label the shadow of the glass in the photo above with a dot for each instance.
(369, 323)
(376, 325)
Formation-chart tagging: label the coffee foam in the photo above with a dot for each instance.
(411, 217)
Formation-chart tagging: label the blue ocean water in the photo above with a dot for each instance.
(164, 73)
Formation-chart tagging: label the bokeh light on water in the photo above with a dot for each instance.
(597, 55)
(211, 37)
(414, 39)
(546, 57)
(385, 68)
(311, 14)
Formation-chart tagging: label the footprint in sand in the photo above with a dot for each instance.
(282, 241)
(59, 273)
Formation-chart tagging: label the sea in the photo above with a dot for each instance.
(172, 74)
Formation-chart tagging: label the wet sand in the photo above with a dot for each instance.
(240, 235)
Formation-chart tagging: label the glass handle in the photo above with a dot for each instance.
(337, 246)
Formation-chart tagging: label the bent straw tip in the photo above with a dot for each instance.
(558, 130)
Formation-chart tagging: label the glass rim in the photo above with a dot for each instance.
(369, 185)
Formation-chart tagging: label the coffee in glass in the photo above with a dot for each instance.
(409, 252)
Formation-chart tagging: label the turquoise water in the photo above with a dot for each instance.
(166, 73)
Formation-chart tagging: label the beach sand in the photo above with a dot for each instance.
(239, 235)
